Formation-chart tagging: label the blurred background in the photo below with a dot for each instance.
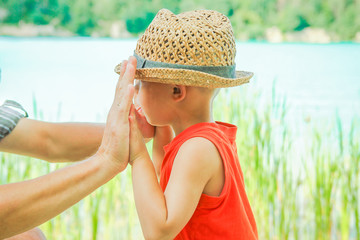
(272, 20)
(298, 118)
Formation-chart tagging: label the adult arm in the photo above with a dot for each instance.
(53, 142)
(28, 204)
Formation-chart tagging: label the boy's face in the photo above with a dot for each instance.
(154, 100)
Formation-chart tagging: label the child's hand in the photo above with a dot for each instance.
(145, 128)
(137, 145)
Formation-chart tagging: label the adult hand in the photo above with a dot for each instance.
(27, 204)
(115, 143)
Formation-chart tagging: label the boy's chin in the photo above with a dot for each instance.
(157, 124)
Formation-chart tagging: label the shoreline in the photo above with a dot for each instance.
(118, 31)
(89, 38)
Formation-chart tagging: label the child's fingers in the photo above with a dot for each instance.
(138, 113)
(132, 112)
(135, 134)
(137, 146)
(134, 130)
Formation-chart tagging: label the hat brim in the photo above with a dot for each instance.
(189, 77)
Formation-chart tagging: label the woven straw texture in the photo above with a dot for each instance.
(197, 38)
(202, 37)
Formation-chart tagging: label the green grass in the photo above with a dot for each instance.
(300, 186)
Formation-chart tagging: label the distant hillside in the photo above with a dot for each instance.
(274, 20)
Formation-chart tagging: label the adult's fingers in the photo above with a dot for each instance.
(122, 71)
(123, 68)
(129, 101)
(132, 112)
(121, 87)
(124, 80)
(133, 61)
(122, 109)
(128, 74)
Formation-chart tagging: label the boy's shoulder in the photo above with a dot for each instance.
(203, 141)
(199, 151)
(201, 163)
(213, 132)
(198, 146)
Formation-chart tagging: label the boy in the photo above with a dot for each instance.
(181, 60)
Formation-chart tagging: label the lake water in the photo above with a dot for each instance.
(73, 79)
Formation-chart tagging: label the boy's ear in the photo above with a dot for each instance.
(179, 92)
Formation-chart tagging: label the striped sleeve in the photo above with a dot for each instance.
(10, 113)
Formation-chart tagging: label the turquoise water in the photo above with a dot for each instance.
(73, 79)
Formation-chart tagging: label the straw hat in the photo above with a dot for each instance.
(195, 48)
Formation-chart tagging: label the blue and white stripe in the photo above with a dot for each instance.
(10, 113)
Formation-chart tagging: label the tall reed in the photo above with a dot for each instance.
(300, 186)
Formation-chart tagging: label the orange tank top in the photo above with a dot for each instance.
(228, 216)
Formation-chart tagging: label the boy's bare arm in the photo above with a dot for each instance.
(54, 142)
(163, 215)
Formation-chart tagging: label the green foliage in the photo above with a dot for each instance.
(139, 24)
(250, 18)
